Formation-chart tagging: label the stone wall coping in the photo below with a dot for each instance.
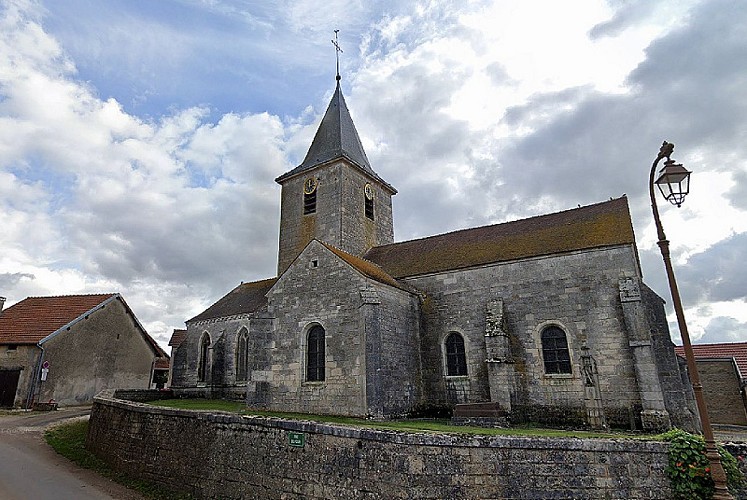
(425, 438)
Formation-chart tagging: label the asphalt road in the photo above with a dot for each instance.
(31, 470)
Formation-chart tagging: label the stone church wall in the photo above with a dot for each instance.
(221, 455)
(321, 289)
(678, 392)
(390, 321)
(220, 380)
(339, 218)
(577, 292)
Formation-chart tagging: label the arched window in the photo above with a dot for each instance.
(315, 354)
(202, 366)
(456, 361)
(555, 350)
(242, 355)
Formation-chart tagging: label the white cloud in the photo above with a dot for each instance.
(476, 111)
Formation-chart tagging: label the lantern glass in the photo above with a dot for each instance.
(674, 182)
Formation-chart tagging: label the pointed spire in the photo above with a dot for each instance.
(335, 138)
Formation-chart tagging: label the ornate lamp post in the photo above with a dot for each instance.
(674, 184)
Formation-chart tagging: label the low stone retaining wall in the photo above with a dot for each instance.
(222, 455)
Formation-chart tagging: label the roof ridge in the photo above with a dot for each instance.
(71, 295)
(533, 217)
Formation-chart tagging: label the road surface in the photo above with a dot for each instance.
(31, 470)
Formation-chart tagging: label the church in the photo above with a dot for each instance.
(545, 318)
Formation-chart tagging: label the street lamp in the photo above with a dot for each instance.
(674, 184)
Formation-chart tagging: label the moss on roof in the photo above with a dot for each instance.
(594, 226)
(245, 298)
(365, 267)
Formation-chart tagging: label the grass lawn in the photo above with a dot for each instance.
(400, 425)
(69, 441)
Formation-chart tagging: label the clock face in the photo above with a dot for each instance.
(309, 186)
(368, 190)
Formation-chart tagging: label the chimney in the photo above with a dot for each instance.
(2, 304)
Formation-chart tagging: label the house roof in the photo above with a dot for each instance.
(727, 350)
(593, 226)
(162, 363)
(177, 337)
(34, 318)
(335, 138)
(245, 298)
(365, 267)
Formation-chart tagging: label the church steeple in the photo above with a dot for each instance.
(334, 195)
(335, 138)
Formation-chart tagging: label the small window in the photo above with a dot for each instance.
(368, 208)
(309, 203)
(12, 347)
(315, 355)
(555, 351)
(309, 196)
(456, 361)
(368, 204)
(202, 367)
(242, 355)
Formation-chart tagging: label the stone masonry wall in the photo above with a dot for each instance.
(321, 289)
(339, 218)
(221, 455)
(577, 292)
(722, 391)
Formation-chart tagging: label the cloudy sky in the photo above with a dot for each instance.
(139, 140)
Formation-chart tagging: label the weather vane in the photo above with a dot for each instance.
(337, 54)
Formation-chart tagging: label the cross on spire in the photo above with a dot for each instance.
(337, 54)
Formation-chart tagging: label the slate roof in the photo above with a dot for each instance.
(727, 350)
(34, 318)
(245, 298)
(593, 226)
(336, 138)
(365, 267)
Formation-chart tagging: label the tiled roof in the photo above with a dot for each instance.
(162, 363)
(736, 350)
(593, 226)
(177, 337)
(365, 267)
(33, 318)
(245, 298)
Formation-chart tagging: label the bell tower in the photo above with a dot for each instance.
(334, 195)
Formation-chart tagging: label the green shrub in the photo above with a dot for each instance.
(690, 470)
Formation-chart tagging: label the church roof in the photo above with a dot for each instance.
(593, 226)
(35, 318)
(335, 138)
(245, 298)
(365, 267)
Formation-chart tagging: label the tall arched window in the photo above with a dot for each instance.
(315, 354)
(555, 350)
(202, 366)
(456, 360)
(242, 355)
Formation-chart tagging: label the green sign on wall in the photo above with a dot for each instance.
(297, 439)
